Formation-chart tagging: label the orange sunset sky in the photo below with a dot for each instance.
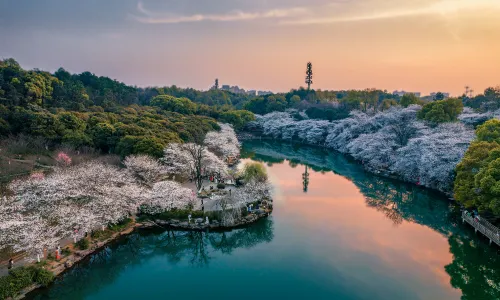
(415, 45)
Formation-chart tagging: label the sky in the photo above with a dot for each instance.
(416, 45)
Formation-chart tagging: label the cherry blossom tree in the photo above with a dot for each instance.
(168, 195)
(393, 141)
(230, 208)
(431, 158)
(82, 197)
(193, 161)
(146, 169)
(224, 143)
(63, 159)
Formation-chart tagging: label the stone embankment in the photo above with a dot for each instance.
(201, 225)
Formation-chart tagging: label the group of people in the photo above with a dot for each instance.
(474, 214)
(10, 265)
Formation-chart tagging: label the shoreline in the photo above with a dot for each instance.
(58, 268)
(246, 136)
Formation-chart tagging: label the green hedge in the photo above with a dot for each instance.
(23, 277)
(82, 244)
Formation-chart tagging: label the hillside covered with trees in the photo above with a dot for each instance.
(84, 110)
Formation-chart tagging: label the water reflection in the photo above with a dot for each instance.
(474, 267)
(195, 249)
(351, 236)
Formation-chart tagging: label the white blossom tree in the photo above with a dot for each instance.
(394, 141)
(145, 168)
(230, 208)
(168, 195)
(74, 200)
(193, 161)
(224, 143)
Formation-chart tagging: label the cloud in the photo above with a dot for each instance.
(149, 17)
(438, 7)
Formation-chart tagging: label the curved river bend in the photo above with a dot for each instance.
(352, 235)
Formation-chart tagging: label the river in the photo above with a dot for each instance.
(350, 235)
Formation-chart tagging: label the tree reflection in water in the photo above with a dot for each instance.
(475, 268)
(196, 248)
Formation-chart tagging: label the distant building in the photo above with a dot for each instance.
(233, 89)
(402, 93)
(263, 93)
(237, 90)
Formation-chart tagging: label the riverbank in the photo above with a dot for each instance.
(201, 225)
(66, 263)
(247, 136)
(349, 225)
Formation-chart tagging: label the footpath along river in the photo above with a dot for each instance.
(352, 235)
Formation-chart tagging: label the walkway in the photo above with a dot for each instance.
(485, 227)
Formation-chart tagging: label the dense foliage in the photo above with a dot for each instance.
(22, 277)
(326, 105)
(478, 175)
(441, 111)
(83, 110)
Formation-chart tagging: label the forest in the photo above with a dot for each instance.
(84, 110)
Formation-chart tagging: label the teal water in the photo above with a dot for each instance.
(352, 235)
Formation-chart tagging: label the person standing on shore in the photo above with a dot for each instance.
(11, 263)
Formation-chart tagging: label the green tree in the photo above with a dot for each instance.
(103, 136)
(489, 131)
(441, 111)
(76, 139)
(150, 146)
(237, 118)
(180, 105)
(409, 99)
(46, 125)
(487, 182)
(439, 96)
(352, 100)
(254, 171)
(71, 122)
(387, 103)
(256, 105)
(466, 191)
(294, 101)
(276, 103)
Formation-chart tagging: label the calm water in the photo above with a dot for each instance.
(350, 236)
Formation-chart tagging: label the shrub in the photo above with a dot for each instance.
(22, 277)
(43, 277)
(66, 251)
(82, 244)
(221, 186)
(102, 235)
(254, 171)
(120, 225)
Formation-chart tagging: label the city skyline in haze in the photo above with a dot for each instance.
(414, 45)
